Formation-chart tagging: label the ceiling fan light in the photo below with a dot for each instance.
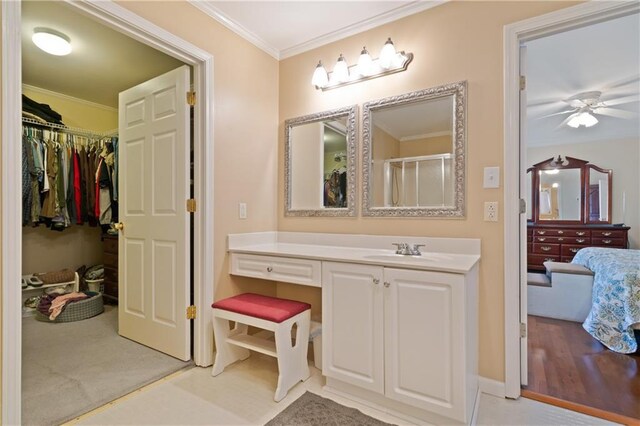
(51, 41)
(583, 118)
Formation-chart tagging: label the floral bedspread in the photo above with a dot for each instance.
(616, 296)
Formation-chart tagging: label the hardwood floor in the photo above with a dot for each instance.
(565, 362)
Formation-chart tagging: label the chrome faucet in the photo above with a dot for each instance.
(406, 250)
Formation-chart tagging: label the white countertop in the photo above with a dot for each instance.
(429, 261)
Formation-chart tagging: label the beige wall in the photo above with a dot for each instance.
(621, 156)
(385, 147)
(453, 42)
(427, 146)
(76, 112)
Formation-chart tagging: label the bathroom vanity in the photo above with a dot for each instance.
(398, 331)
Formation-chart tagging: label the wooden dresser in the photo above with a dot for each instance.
(559, 243)
(110, 260)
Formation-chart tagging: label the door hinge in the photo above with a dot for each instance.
(191, 98)
(191, 205)
(523, 205)
(523, 329)
(523, 82)
(191, 312)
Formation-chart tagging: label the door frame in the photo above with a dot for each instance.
(138, 28)
(514, 227)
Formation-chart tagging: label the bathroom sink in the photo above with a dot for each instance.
(415, 260)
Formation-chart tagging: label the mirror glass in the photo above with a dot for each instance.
(414, 154)
(598, 195)
(559, 195)
(527, 194)
(320, 164)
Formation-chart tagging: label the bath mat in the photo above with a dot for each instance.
(313, 410)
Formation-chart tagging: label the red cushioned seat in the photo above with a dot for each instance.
(264, 307)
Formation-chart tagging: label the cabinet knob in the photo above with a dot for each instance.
(376, 281)
(387, 284)
(269, 269)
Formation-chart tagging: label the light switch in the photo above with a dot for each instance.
(242, 210)
(492, 177)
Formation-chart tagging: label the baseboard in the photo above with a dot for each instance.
(492, 387)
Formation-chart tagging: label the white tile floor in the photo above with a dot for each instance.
(243, 395)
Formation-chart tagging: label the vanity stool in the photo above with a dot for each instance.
(267, 313)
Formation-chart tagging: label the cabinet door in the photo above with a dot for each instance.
(424, 349)
(352, 324)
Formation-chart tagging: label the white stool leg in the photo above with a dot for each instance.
(225, 353)
(292, 361)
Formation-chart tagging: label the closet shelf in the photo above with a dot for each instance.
(70, 130)
(29, 288)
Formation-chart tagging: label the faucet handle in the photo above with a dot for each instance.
(416, 249)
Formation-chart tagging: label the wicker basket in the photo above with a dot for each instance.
(77, 311)
(55, 277)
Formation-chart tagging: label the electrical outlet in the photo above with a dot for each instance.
(242, 210)
(491, 211)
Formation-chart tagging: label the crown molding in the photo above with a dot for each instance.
(426, 135)
(69, 98)
(218, 15)
(367, 24)
(392, 15)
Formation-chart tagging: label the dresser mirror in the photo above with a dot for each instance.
(320, 164)
(528, 191)
(570, 190)
(414, 153)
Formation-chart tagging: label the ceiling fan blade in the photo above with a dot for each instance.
(622, 100)
(541, 102)
(621, 83)
(557, 113)
(615, 112)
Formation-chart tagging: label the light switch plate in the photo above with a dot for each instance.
(242, 210)
(491, 177)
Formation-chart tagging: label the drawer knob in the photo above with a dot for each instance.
(560, 232)
(269, 269)
(549, 259)
(581, 233)
(541, 232)
(376, 281)
(606, 234)
(580, 240)
(560, 239)
(574, 250)
(606, 241)
(545, 248)
(541, 239)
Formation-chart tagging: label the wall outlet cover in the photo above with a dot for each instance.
(491, 211)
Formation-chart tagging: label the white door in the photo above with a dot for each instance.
(523, 219)
(424, 340)
(153, 272)
(352, 324)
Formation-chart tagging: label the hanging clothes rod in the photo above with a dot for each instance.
(70, 130)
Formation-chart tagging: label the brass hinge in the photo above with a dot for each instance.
(523, 82)
(191, 98)
(191, 205)
(523, 205)
(191, 312)
(523, 330)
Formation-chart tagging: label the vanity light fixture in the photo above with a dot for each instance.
(582, 118)
(389, 62)
(51, 41)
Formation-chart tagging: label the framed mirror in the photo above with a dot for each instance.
(414, 153)
(320, 164)
(528, 190)
(598, 194)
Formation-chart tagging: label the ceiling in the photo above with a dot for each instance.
(417, 120)
(603, 57)
(286, 28)
(103, 62)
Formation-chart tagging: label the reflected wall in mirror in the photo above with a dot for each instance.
(320, 164)
(413, 153)
(598, 196)
(560, 194)
(528, 188)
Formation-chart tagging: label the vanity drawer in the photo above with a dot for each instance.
(608, 241)
(544, 248)
(296, 271)
(609, 233)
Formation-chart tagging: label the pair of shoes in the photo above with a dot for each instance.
(32, 302)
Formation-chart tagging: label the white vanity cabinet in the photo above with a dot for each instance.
(407, 335)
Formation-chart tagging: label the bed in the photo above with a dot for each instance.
(616, 296)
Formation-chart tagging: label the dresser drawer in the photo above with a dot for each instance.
(570, 250)
(296, 271)
(539, 259)
(608, 233)
(547, 232)
(608, 242)
(544, 248)
(562, 240)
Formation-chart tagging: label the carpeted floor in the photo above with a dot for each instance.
(313, 410)
(71, 368)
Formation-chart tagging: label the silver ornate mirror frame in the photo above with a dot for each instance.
(458, 91)
(350, 114)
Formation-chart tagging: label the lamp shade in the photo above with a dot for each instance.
(51, 41)
(582, 118)
(365, 63)
(388, 54)
(341, 70)
(320, 77)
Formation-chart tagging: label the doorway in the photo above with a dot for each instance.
(118, 18)
(517, 186)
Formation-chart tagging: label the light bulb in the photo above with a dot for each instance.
(582, 118)
(51, 41)
(341, 70)
(365, 63)
(320, 77)
(388, 54)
